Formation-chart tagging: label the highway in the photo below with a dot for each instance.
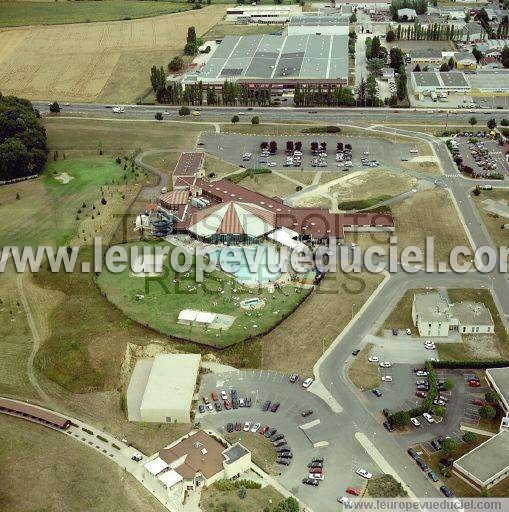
(436, 116)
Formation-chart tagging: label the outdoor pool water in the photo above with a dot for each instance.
(258, 273)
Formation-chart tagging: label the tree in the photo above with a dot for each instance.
(449, 445)
(184, 111)
(191, 35)
(449, 384)
(255, 120)
(444, 68)
(353, 18)
(417, 68)
(287, 505)
(487, 412)
(396, 59)
(176, 64)
(390, 36)
(467, 18)
(54, 108)
(440, 411)
(491, 397)
(361, 93)
(242, 492)
(401, 419)
(491, 124)
(450, 63)
(159, 116)
(504, 122)
(472, 121)
(235, 119)
(190, 49)
(469, 438)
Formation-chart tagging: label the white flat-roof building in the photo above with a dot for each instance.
(498, 379)
(324, 25)
(406, 14)
(262, 13)
(434, 316)
(162, 390)
(486, 465)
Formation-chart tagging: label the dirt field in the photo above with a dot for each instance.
(494, 223)
(296, 344)
(52, 472)
(270, 185)
(77, 62)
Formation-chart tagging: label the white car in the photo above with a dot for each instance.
(224, 395)
(247, 426)
(373, 359)
(415, 422)
(409, 331)
(365, 474)
(210, 408)
(429, 346)
(271, 164)
(255, 427)
(316, 476)
(242, 403)
(385, 364)
(365, 152)
(344, 501)
(420, 373)
(386, 378)
(166, 113)
(428, 417)
(242, 113)
(307, 382)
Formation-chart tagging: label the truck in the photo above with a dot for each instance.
(118, 109)
(433, 96)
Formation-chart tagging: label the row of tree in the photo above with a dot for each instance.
(420, 7)
(23, 149)
(435, 32)
(315, 97)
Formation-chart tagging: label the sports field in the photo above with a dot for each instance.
(88, 61)
(16, 14)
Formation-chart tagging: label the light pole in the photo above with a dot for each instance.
(353, 305)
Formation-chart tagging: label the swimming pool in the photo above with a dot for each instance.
(252, 263)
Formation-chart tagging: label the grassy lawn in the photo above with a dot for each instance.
(428, 168)
(401, 316)
(218, 167)
(360, 204)
(270, 185)
(362, 373)
(296, 344)
(385, 486)
(165, 162)
(256, 500)
(304, 177)
(62, 474)
(262, 450)
(458, 486)
(16, 14)
(494, 223)
(82, 136)
(47, 208)
(162, 304)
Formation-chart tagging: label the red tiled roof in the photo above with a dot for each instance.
(177, 197)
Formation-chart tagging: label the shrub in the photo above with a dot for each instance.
(400, 419)
(159, 116)
(491, 397)
(322, 129)
(255, 120)
(101, 438)
(184, 111)
(469, 438)
(242, 493)
(487, 412)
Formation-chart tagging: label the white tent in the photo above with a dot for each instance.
(285, 237)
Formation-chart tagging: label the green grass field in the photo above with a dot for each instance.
(16, 14)
(164, 299)
(46, 209)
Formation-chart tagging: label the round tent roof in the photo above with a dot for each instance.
(233, 218)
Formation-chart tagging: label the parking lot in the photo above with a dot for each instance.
(365, 151)
(481, 153)
(324, 438)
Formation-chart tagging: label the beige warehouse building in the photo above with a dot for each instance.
(161, 390)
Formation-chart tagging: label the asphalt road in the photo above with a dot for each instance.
(282, 114)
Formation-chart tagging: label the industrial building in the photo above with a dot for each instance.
(267, 14)
(332, 25)
(276, 61)
(161, 389)
(434, 316)
(498, 379)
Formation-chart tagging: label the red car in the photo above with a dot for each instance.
(421, 394)
(263, 430)
(214, 397)
(474, 383)
(315, 470)
(353, 490)
(227, 405)
(480, 402)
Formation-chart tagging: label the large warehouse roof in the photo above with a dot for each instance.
(171, 383)
(274, 56)
(330, 20)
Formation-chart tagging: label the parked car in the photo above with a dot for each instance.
(310, 481)
(294, 378)
(227, 405)
(353, 491)
(318, 459)
(255, 427)
(280, 444)
(266, 406)
(446, 491)
(437, 443)
(427, 416)
(480, 402)
(365, 474)
(433, 476)
(422, 373)
(270, 432)
(263, 430)
(373, 359)
(224, 395)
(205, 400)
(474, 383)
(229, 427)
(283, 462)
(210, 408)
(412, 453)
(389, 426)
(235, 403)
(242, 402)
(307, 382)
(344, 501)
(315, 465)
(355, 352)
(422, 464)
(386, 412)
(201, 408)
(247, 426)
(385, 364)
(286, 455)
(386, 378)
(247, 402)
(421, 394)
(377, 392)
(307, 413)
(395, 332)
(316, 476)
(238, 426)
(415, 422)
(277, 437)
(218, 406)
(275, 407)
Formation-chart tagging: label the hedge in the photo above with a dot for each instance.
(322, 129)
(474, 364)
(248, 173)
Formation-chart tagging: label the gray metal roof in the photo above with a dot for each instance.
(500, 376)
(493, 79)
(454, 79)
(426, 79)
(276, 56)
(323, 21)
(487, 459)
